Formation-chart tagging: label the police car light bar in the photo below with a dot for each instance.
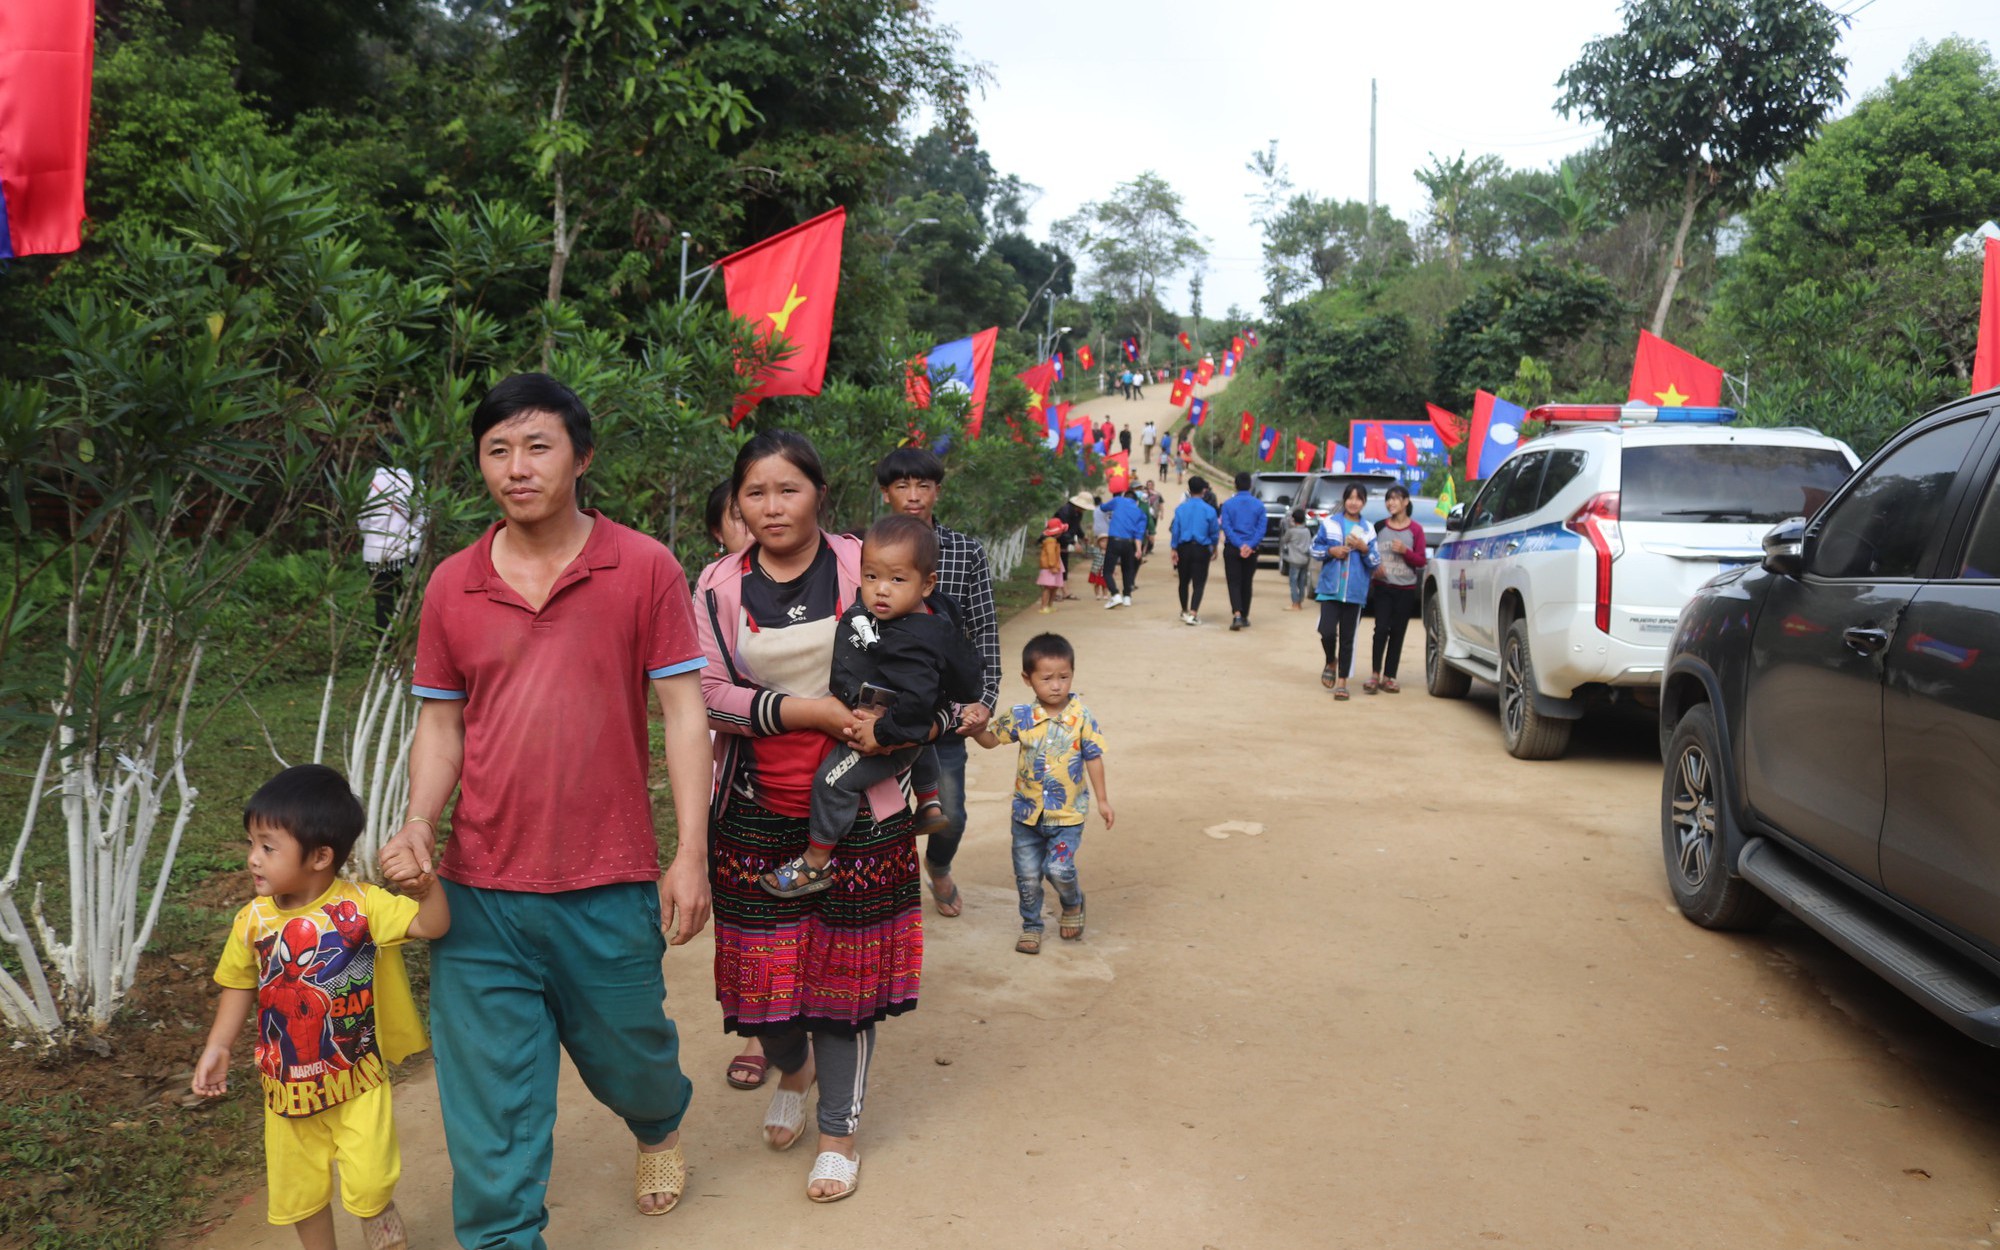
(1628, 414)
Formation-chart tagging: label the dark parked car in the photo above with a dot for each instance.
(1319, 495)
(1832, 723)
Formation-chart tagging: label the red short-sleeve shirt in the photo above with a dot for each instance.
(553, 792)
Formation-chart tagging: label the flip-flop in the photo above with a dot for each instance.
(1389, 686)
(951, 906)
(1029, 943)
(834, 1166)
(661, 1172)
(787, 1111)
(1368, 687)
(1326, 677)
(757, 1065)
(1069, 925)
(1339, 694)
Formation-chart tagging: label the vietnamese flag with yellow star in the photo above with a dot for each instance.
(1664, 375)
(785, 286)
(1083, 356)
(1248, 422)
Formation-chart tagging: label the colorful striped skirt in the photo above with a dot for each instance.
(841, 959)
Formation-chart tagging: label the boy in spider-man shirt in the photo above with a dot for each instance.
(316, 959)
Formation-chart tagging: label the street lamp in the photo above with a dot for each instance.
(921, 221)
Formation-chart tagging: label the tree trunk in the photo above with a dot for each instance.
(564, 238)
(1689, 200)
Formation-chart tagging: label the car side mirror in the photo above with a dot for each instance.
(1454, 521)
(1785, 548)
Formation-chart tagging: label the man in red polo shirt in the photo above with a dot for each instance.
(536, 649)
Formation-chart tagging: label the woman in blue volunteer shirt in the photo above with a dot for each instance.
(1347, 545)
(1194, 536)
(1242, 529)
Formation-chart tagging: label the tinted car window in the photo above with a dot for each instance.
(1281, 490)
(1563, 469)
(1519, 498)
(1758, 483)
(1982, 555)
(1486, 510)
(1885, 524)
(1326, 491)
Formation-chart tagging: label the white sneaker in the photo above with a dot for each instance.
(1113, 602)
(1187, 618)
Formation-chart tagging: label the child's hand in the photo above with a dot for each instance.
(211, 1072)
(863, 735)
(1104, 809)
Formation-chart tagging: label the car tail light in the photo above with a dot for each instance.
(1597, 522)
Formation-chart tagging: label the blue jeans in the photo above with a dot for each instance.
(951, 796)
(1046, 849)
(1301, 582)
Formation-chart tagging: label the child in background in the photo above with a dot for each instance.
(1050, 576)
(315, 959)
(1295, 556)
(1099, 588)
(1060, 744)
(900, 658)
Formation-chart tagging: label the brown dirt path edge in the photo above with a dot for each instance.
(1425, 1006)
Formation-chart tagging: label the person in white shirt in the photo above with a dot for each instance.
(391, 534)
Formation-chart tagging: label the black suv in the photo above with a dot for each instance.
(1831, 720)
(1318, 494)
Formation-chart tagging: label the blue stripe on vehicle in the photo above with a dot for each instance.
(685, 666)
(1550, 537)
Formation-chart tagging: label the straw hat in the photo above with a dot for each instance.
(1083, 500)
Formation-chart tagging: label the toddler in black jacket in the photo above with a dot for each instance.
(900, 660)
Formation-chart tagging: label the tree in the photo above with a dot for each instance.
(1138, 240)
(1273, 190)
(1323, 241)
(1539, 310)
(1452, 184)
(1914, 165)
(1700, 99)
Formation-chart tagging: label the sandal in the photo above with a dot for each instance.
(754, 1068)
(1368, 687)
(834, 1166)
(948, 905)
(795, 878)
(1326, 677)
(1389, 686)
(1340, 694)
(1029, 943)
(1069, 925)
(385, 1230)
(661, 1172)
(788, 1112)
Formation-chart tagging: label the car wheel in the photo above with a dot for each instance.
(1697, 835)
(1441, 679)
(1530, 735)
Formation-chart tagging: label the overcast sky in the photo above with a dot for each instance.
(1086, 94)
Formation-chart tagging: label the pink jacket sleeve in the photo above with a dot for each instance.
(1414, 557)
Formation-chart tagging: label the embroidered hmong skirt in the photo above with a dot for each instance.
(841, 959)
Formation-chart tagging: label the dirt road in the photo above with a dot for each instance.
(1329, 997)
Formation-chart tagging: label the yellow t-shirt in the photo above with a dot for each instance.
(1050, 783)
(333, 998)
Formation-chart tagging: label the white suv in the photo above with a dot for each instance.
(1562, 580)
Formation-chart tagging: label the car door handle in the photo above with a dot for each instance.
(1512, 547)
(1865, 641)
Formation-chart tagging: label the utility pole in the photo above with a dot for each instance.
(1368, 227)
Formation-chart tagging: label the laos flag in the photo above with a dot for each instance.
(1496, 429)
(1229, 364)
(964, 365)
(1267, 442)
(45, 60)
(1197, 412)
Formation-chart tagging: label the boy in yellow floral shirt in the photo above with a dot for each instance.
(1060, 745)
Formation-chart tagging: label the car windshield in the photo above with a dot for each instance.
(1757, 483)
(1326, 492)
(1278, 490)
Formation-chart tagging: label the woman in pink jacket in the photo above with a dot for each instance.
(810, 976)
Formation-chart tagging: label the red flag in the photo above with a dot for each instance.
(1986, 360)
(1178, 396)
(1038, 380)
(1449, 426)
(45, 58)
(1374, 446)
(786, 285)
(1665, 375)
(1083, 356)
(1186, 345)
(1306, 452)
(1248, 421)
(1117, 472)
(1204, 372)
(1236, 345)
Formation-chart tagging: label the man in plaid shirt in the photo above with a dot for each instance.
(911, 479)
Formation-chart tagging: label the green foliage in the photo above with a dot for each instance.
(1138, 241)
(1915, 164)
(1537, 309)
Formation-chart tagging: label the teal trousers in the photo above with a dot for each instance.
(519, 976)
